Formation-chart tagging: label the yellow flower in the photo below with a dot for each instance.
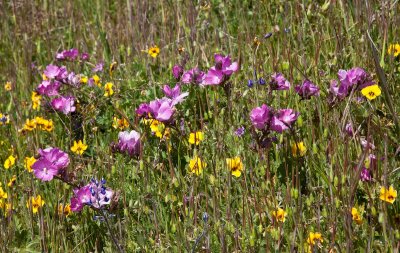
(313, 237)
(35, 203)
(29, 124)
(3, 194)
(120, 123)
(4, 119)
(12, 181)
(48, 126)
(299, 149)
(235, 165)
(78, 147)
(394, 49)
(158, 128)
(154, 51)
(113, 66)
(196, 138)
(357, 217)
(44, 77)
(279, 215)
(371, 92)
(108, 89)
(9, 162)
(66, 211)
(197, 165)
(84, 79)
(7, 208)
(40, 120)
(96, 80)
(28, 162)
(7, 86)
(388, 195)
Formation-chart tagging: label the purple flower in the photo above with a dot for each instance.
(193, 76)
(129, 142)
(349, 129)
(177, 71)
(366, 144)
(81, 197)
(283, 120)
(85, 56)
(365, 175)
(94, 194)
(49, 88)
(143, 110)
(240, 131)
(98, 67)
(222, 70)
(175, 93)
(279, 82)
(260, 116)
(71, 55)
(63, 104)
(73, 80)
(162, 109)
(51, 71)
(250, 83)
(51, 161)
(307, 89)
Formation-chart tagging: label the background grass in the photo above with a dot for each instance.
(161, 205)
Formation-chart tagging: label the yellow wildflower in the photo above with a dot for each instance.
(235, 165)
(9, 162)
(79, 147)
(113, 66)
(29, 124)
(35, 203)
(66, 211)
(154, 51)
(28, 162)
(44, 77)
(197, 165)
(7, 86)
(371, 92)
(12, 181)
(196, 138)
(84, 79)
(299, 149)
(313, 237)
(3, 194)
(388, 195)
(48, 126)
(96, 80)
(36, 100)
(120, 123)
(279, 215)
(108, 90)
(357, 217)
(394, 49)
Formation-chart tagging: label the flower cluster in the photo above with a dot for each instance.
(129, 142)
(38, 122)
(265, 118)
(50, 163)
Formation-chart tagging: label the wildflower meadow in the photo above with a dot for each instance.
(199, 126)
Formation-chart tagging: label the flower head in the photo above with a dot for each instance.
(307, 89)
(36, 100)
(94, 194)
(120, 123)
(129, 142)
(34, 203)
(313, 237)
(11, 182)
(357, 217)
(50, 163)
(394, 49)
(108, 90)
(239, 131)
(235, 165)
(64, 210)
(9, 162)
(365, 175)
(175, 93)
(28, 162)
(154, 51)
(3, 194)
(260, 116)
(279, 82)
(196, 137)
(8, 86)
(299, 149)
(283, 120)
(49, 88)
(79, 147)
(64, 104)
(70, 54)
(371, 92)
(177, 71)
(279, 215)
(194, 76)
(197, 165)
(222, 70)
(388, 195)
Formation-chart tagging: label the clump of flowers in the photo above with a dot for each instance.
(52, 162)
(197, 165)
(307, 89)
(95, 194)
(157, 128)
(279, 82)
(388, 195)
(279, 215)
(129, 142)
(64, 210)
(220, 73)
(41, 123)
(235, 165)
(64, 104)
(35, 203)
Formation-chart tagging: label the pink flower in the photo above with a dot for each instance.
(177, 71)
(279, 82)
(71, 55)
(63, 104)
(129, 142)
(162, 109)
(260, 116)
(283, 120)
(49, 88)
(50, 163)
(193, 76)
(175, 94)
(307, 89)
(221, 72)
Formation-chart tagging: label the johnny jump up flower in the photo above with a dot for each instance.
(371, 92)
(235, 165)
(388, 195)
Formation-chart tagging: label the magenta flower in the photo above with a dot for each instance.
(64, 104)
(194, 76)
(307, 89)
(71, 55)
(129, 142)
(98, 67)
(85, 56)
(50, 163)
(175, 93)
(279, 82)
(283, 120)
(260, 116)
(221, 72)
(51, 71)
(365, 175)
(49, 88)
(94, 194)
(143, 110)
(348, 129)
(162, 109)
(73, 80)
(177, 71)
(81, 197)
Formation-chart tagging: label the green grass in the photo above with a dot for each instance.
(161, 204)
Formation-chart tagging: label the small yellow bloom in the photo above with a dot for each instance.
(7, 86)
(44, 77)
(357, 217)
(108, 89)
(7, 207)
(9, 162)
(235, 165)
(313, 237)
(113, 66)
(30, 124)
(3, 194)
(394, 49)
(158, 128)
(40, 120)
(12, 181)
(96, 80)
(84, 79)
(299, 149)
(66, 211)
(154, 51)
(120, 123)
(35, 203)
(279, 215)
(388, 195)
(78, 147)
(197, 165)
(196, 138)
(371, 92)
(28, 162)
(48, 126)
